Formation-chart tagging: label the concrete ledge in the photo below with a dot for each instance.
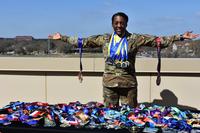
(143, 65)
(54, 80)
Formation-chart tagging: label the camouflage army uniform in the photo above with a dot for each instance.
(121, 83)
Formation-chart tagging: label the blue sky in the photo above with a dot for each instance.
(39, 18)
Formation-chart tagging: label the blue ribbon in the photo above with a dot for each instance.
(80, 46)
(113, 49)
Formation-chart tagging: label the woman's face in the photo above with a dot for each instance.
(119, 25)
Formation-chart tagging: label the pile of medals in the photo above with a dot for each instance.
(96, 115)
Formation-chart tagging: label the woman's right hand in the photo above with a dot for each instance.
(55, 36)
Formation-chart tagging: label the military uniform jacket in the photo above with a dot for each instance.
(118, 77)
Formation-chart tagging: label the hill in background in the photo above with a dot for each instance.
(28, 46)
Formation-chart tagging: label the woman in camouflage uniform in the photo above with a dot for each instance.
(120, 49)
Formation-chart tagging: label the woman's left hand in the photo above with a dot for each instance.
(190, 35)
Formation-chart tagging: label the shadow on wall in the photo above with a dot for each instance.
(170, 99)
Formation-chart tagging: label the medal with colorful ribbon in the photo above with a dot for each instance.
(80, 47)
(118, 48)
